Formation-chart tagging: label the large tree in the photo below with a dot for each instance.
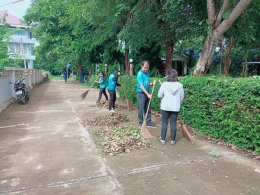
(161, 23)
(219, 21)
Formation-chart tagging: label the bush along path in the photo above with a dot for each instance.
(222, 109)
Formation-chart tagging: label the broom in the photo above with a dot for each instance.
(144, 130)
(185, 132)
(84, 95)
(129, 105)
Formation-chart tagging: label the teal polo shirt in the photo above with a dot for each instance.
(111, 83)
(102, 85)
(142, 79)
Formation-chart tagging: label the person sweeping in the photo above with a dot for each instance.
(171, 94)
(102, 87)
(143, 95)
(112, 83)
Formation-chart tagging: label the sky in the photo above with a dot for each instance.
(17, 9)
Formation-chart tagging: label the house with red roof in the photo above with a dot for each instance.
(21, 43)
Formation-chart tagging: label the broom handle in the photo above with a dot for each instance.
(94, 83)
(149, 104)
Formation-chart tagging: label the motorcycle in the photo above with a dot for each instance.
(21, 91)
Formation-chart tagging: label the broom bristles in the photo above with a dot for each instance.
(145, 132)
(84, 95)
(129, 105)
(185, 132)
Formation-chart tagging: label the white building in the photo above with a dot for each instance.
(21, 43)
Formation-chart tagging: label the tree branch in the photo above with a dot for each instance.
(227, 23)
(222, 10)
(211, 12)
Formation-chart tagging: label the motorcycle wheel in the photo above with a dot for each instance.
(22, 100)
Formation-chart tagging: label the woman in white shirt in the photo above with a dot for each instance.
(171, 93)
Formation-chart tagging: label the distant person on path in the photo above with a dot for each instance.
(171, 93)
(102, 87)
(65, 74)
(143, 95)
(82, 75)
(112, 83)
(68, 66)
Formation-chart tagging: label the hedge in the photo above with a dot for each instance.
(224, 108)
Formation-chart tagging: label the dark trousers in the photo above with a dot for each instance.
(112, 99)
(166, 115)
(102, 91)
(143, 102)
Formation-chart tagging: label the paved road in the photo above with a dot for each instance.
(45, 149)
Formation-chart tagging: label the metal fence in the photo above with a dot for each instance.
(7, 94)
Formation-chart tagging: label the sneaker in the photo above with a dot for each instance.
(151, 126)
(172, 142)
(162, 141)
(112, 110)
(140, 126)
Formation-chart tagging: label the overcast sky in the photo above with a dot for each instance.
(17, 9)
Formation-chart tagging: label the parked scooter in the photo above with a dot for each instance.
(21, 91)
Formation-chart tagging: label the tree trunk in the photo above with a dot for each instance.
(217, 30)
(169, 53)
(227, 61)
(126, 59)
(206, 55)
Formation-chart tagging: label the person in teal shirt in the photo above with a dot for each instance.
(143, 95)
(112, 83)
(102, 87)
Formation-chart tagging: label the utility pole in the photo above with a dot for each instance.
(22, 52)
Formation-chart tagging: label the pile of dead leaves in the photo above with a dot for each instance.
(109, 120)
(121, 140)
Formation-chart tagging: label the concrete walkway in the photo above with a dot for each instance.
(45, 149)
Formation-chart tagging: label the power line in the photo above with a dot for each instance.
(11, 3)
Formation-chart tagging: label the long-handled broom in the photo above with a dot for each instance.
(84, 95)
(144, 130)
(129, 105)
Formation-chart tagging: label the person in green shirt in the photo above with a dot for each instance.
(102, 87)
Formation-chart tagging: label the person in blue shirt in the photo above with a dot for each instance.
(112, 83)
(68, 66)
(102, 87)
(65, 74)
(143, 95)
(81, 74)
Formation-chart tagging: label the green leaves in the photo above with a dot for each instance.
(225, 108)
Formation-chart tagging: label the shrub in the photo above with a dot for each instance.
(225, 108)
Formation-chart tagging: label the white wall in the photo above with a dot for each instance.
(32, 78)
